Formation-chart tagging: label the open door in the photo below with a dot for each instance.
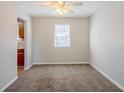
(20, 51)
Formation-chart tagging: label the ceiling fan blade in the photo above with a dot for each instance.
(48, 4)
(68, 8)
(56, 13)
(69, 11)
(76, 4)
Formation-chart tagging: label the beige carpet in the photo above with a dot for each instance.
(72, 78)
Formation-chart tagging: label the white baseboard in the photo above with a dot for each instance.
(109, 78)
(7, 85)
(50, 63)
(28, 67)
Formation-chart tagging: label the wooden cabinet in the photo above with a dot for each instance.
(20, 57)
(21, 31)
(21, 28)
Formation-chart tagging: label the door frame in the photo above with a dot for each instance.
(25, 42)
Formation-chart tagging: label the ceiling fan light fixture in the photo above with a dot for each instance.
(60, 11)
(60, 3)
(62, 7)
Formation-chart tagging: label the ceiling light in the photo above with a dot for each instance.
(60, 11)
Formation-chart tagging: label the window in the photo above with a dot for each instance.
(62, 36)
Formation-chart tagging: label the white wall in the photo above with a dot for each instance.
(21, 13)
(8, 47)
(107, 41)
(43, 40)
(8, 41)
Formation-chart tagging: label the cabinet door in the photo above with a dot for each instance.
(21, 28)
(20, 59)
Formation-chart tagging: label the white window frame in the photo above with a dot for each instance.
(68, 34)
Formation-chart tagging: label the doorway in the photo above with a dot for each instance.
(20, 46)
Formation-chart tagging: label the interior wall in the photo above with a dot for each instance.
(107, 41)
(43, 41)
(22, 14)
(8, 47)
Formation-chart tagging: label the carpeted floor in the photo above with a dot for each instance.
(72, 78)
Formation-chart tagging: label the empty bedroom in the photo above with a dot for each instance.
(64, 46)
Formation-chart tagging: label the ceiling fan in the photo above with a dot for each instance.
(61, 7)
